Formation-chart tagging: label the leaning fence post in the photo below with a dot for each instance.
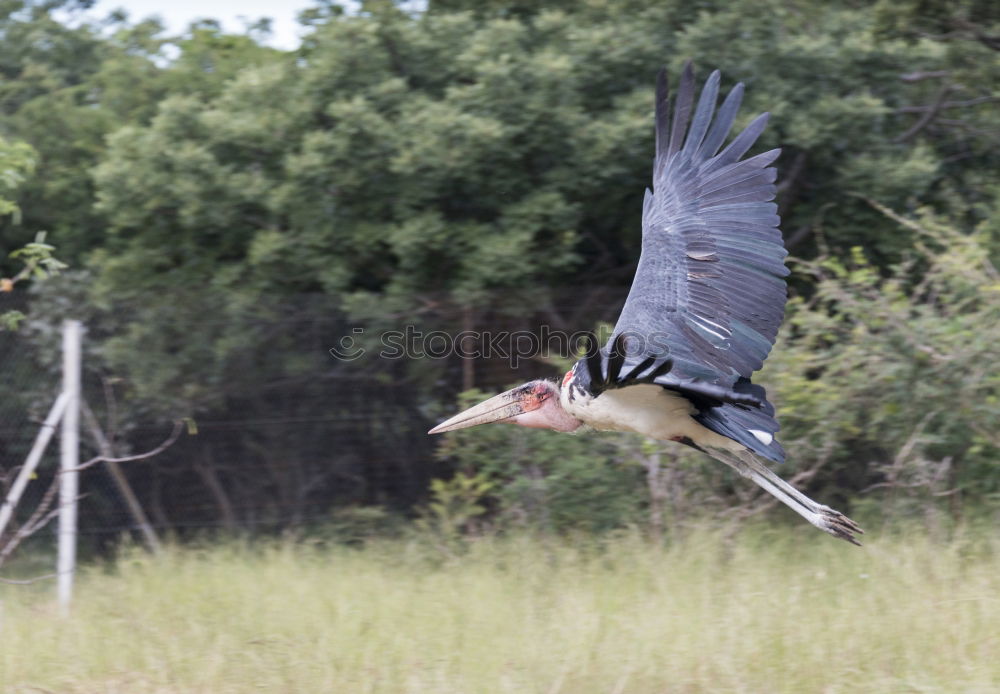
(69, 462)
(124, 488)
(34, 457)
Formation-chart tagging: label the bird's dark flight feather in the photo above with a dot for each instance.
(617, 367)
(710, 281)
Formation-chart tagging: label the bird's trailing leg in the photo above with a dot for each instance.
(823, 517)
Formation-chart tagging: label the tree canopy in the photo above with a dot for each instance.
(229, 208)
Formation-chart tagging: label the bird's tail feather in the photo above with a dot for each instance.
(753, 467)
(754, 427)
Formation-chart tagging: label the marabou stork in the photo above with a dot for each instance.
(701, 316)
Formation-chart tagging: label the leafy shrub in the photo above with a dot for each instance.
(886, 384)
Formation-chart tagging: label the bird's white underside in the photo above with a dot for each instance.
(650, 410)
(660, 414)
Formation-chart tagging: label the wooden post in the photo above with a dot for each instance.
(134, 507)
(69, 462)
(34, 457)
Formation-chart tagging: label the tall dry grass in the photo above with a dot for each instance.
(771, 611)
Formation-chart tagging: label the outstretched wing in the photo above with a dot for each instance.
(710, 283)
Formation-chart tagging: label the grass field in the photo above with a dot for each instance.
(771, 611)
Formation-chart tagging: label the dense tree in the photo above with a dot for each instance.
(237, 208)
(70, 83)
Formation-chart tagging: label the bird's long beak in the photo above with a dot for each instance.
(503, 406)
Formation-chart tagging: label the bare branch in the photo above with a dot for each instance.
(38, 520)
(798, 236)
(932, 111)
(178, 428)
(988, 435)
(42, 515)
(969, 127)
(112, 407)
(950, 104)
(791, 178)
(990, 41)
(911, 441)
(987, 266)
(919, 75)
(27, 581)
(791, 184)
(104, 447)
(8, 475)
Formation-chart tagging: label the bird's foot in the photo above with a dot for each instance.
(837, 524)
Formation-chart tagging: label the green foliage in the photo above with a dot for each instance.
(549, 481)
(455, 507)
(471, 158)
(37, 263)
(10, 320)
(69, 85)
(889, 378)
(845, 108)
(37, 259)
(477, 160)
(884, 382)
(17, 161)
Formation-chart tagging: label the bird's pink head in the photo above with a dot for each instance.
(534, 404)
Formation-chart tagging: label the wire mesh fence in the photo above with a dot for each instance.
(280, 430)
(286, 425)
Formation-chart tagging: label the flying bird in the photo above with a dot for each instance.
(702, 314)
